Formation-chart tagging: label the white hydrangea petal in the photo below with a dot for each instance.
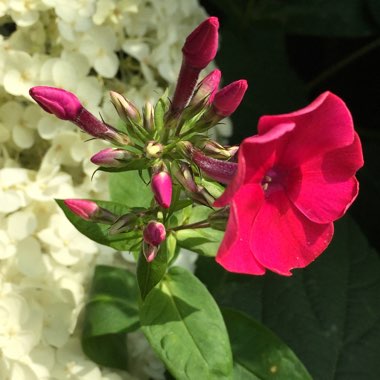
(21, 224)
(21, 371)
(29, 259)
(11, 201)
(4, 133)
(24, 19)
(106, 64)
(23, 137)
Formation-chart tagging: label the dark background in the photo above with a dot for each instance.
(290, 52)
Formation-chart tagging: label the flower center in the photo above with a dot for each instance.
(271, 181)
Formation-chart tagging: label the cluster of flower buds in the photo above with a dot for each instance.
(169, 139)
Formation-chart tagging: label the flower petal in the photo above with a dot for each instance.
(282, 238)
(257, 154)
(234, 253)
(322, 126)
(323, 188)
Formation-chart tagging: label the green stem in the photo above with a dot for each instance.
(202, 224)
(343, 63)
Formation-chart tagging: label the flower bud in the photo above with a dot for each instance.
(89, 210)
(162, 188)
(183, 174)
(154, 233)
(123, 224)
(59, 102)
(125, 108)
(198, 51)
(66, 106)
(112, 158)
(149, 251)
(218, 219)
(228, 98)
(148, 116)
(153, 149)
(207, 88)
(201, 45)
(213, 149)
(221, 171)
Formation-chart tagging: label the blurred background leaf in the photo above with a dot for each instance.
(328, 313)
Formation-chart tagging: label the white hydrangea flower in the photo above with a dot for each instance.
(65, 244)
(99, 46)
(21, 326)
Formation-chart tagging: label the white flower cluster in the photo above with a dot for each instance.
(87, 47)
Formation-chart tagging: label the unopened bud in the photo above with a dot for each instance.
(112, 157)
(66, 106)
(153, 149)
(123, 224)
(207, 88)
(201, 45)
(149, 251)
(154, 233)
(183, 174)
(125, 108)
(228, 98)
(148, 116)
(213, 149)
(218, 219)
(162, 188)
(198, 51)
(89, 210)
(185, 148)
(221, 171)
(61, 103)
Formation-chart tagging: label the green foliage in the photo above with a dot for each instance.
(258, 353)
(110, 313)
(184, 326)
(341, 18)
(204, 241)
(150, 274)
(99, 232)
(129, 189)
(329, 313)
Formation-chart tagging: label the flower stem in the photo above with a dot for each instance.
(201, 224)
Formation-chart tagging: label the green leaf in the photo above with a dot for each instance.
(184, 326)
(204, 241)
(258, 352)
(128, 188)
(110, 313)
(328, 313)
(150, 274)
(99, 232)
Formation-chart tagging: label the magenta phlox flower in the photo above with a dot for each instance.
(294, 179)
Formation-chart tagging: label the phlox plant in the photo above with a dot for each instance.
(266, 205)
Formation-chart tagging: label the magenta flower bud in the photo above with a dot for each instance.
(112, 158)
(207, 88)
(221, 171)
(154, 233)
(228, 98)
(66, 106)
(149, 251)
(162, 188)
(59, 102)
(89, 210)
(201, 45)
(198, 51)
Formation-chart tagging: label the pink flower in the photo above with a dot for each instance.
(207, 88)
(154, 233)
(294, 179)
